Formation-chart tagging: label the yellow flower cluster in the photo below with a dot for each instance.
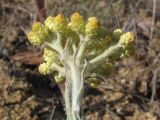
(127, 40)
(77, 23)
(93, 26)
(56, 24)
(106, 44)
(59, 24)
(45, 68)
(50, 57)
(49, 22)
(38, 34)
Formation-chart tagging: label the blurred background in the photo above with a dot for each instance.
(132, 92)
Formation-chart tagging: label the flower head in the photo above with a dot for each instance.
(38, 34)
(127, 41)
(50, 55)
(56, 24)
(93, 26)
(77, 23)
(49, 22)
(45, 68)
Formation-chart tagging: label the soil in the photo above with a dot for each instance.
(127, 94)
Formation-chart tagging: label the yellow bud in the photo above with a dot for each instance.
(127, 41)
(37, 26)
(59, 24)
(51, 56)
(38, 34)
(45, 68)
(93, 26)
(77, 23)
(49, 22)
(33, 38)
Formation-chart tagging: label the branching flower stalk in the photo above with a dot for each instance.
(78, 52)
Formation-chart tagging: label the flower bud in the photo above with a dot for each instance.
(77, 23)
(45, 68)
(49, 22)
(38, 34)
(92, 28)
(127, 41)
(56, 24)
(50, 55)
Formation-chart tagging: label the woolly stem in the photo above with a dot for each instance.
(107, 53)
(83, 45)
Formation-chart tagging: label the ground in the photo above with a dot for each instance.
(130, 93)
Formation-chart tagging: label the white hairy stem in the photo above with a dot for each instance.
(82, 47)
(68, 94)
(107, 53)
(72, 84)
(74, 89)
(73, 93)
(76, 84)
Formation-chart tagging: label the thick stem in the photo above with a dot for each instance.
(74, 93)
(74, 84)
(76, 81)
(68, 94)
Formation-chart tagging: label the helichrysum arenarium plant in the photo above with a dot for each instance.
(77, 52)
